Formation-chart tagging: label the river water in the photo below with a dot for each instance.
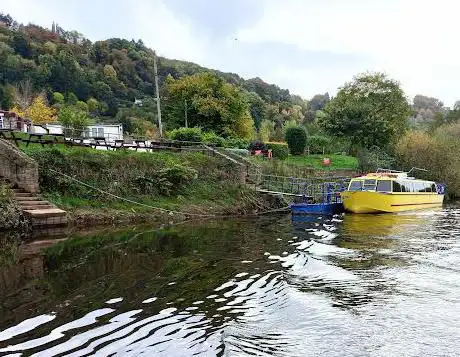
(352, 285)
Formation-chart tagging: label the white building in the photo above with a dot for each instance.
(110, 132)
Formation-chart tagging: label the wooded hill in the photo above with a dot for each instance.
(116, 72)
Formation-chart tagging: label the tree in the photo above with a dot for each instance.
(212, 104)
(93, 106)
(38, 112)
(257, 108)
(370, 111)
(72, 99)
(58, 98)
(319, 101)
(73, 120)
(296, 137)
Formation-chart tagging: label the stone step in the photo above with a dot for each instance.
(24, 199)
(22, 194)
(49, 222)
(34, 203)
(36, 207)
(45, 213)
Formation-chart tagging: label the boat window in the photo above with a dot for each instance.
(369, 185)
(356, 185)
(397, 187)
(384, 186)
(421, 187)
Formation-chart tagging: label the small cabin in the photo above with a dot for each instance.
(11, 121)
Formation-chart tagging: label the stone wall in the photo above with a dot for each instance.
(17, 167)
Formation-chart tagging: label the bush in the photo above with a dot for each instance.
(296, 137)
(438, 153)
(280, 151)
(212, 138)
(241, 152)
(317, 143)
(371, 160)
(186, 134)
(237, 143)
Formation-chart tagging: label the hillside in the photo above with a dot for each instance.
(115, 73)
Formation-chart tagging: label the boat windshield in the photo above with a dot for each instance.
(356, 185)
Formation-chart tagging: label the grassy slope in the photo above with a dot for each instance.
(316, 161)
(212, 191)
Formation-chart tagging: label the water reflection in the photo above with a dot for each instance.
(267, 287)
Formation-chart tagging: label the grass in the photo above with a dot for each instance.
(184, 181)
(316, 161)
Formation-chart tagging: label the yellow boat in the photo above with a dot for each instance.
(388, 191)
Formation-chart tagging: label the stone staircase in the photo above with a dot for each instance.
(40, 213)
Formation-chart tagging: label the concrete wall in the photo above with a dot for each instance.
(18, 168)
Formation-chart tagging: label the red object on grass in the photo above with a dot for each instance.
(326, 161)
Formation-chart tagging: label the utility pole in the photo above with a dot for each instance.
(160, 127)
(186, 122)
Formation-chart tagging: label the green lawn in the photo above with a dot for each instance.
(316, 161)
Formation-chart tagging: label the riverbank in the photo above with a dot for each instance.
(122, 187)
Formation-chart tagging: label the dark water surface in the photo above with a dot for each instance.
(354, 285)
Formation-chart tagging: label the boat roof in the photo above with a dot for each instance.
(388, 175)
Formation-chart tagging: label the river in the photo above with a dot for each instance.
(352, 285)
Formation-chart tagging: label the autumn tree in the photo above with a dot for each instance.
(370, 111)
(39, 112)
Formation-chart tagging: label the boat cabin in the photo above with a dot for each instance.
(391, 183)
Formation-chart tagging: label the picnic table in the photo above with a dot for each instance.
(4, 132)
(39, 139)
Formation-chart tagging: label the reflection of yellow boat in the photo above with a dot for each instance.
(391, 191)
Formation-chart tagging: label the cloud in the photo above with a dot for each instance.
(412, 41)
(304, 45)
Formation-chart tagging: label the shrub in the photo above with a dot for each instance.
(241, 152)
(279, 150)
(296, 137)
(212, 138)
(237, 143)
(186, 134)
(317, 143)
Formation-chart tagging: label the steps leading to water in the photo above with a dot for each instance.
(39, 212)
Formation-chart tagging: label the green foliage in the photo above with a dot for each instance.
(58, 98)
(296, 138)
(143, 128)
(73, 120)
(212, 104)
(372, 110)
(237, 143)
(317, 144)
(186, 134)
(82, 106)
(93, 105)
(12, 218)
(72, 99)
(212, 138)
(371, 160)
(438, 152)
(123, 173)
(279, 151)
(266, 130)
(6, 97)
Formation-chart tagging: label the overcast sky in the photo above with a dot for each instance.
(306, 46)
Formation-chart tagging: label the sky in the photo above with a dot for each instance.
(306, 46)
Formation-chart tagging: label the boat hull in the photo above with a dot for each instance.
(382, 202)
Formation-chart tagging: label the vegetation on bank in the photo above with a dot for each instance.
(438, 152)
(11, 217)
(186, 182)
